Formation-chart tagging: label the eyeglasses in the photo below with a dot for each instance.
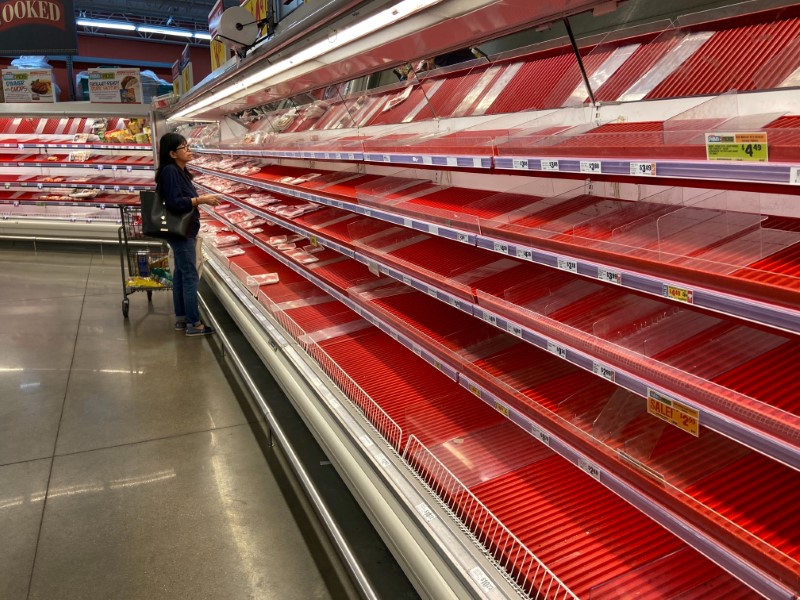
(184, 147)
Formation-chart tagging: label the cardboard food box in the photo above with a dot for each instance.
(28, 85)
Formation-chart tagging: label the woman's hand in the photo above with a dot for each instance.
(210, 199)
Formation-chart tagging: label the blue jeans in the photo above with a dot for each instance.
(184, 280)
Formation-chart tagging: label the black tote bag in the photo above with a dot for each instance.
(158, 222)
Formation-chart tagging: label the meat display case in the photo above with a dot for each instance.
(541, 304)
(60, 180)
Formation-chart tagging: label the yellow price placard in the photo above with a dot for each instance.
(475, 389)
(677, 293)
(737, 146)
(673, 412)
(503, 410)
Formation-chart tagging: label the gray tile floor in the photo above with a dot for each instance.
(127, 468)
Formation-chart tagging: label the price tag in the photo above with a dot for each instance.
(101, 167)
(737, 146)
(425, 511)
(39, 186)
(387, 158)
(609, 276)
(591, 166)
(408, 223)
(433, 293)
(7, 185)
(514, 329)
(116, 188)
(557, 349)
(129, 169)
(482, 579)
(501, 247)
(477, 162)
(548, 164)
(16, 203)
(452, 161)
(501, 408)
(383, 461)
(591, 469)
(131, 188)
(524, 253)
(794, 175)
(519, 164)
(677, 293)
(475, 390)
(462, 237)
(21, 146)
(490, 318)
(673, 412)
(114, 167)
(540, 435)
(643, 169)
(416, 350)
(567, 264)
(604, 371)
(406, 280)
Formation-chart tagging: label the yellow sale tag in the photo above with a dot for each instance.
(737, 146)
(676, 293)
(501, 409)
(673, 412)
(475, 389)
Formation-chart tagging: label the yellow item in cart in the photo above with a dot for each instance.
(142, 282)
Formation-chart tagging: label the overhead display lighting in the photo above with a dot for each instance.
(341, 38)
(164, 31)
(100, 24)
(202, 36)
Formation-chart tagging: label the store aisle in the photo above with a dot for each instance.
(127, 468)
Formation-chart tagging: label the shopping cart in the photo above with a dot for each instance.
(144, 261)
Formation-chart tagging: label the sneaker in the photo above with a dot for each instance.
(180, 325)
(191, 330)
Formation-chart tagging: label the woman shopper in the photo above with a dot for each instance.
(174, 183)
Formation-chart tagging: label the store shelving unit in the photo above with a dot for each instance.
(55, 184)
(551, 285)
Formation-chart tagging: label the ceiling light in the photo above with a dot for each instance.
(164, 31)
(202, 36)
(100, 24)
(341, 38)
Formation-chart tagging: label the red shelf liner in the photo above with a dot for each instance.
(585, 548)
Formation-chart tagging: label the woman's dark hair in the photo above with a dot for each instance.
(169, 143)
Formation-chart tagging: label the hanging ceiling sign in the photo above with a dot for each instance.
(37, 27)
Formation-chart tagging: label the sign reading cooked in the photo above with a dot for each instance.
(37, 27)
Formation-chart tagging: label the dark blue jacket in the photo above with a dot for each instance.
(177, 190)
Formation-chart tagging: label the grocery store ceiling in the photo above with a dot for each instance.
(159, 12)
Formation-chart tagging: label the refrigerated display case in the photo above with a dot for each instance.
(539, 304)
(67, 168)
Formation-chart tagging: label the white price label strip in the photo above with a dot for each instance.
(567, 264)
(794, 175)
(604, 371)
(591, 166)
(643, 169)
(482, 579)
(501, 247)
(557, 349)
(548, 164)
(425, 511)
(609, 276)
(520, 163)
(540, 435)
(589, 468)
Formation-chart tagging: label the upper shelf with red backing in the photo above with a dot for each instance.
(492, 454)
(694, 60)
